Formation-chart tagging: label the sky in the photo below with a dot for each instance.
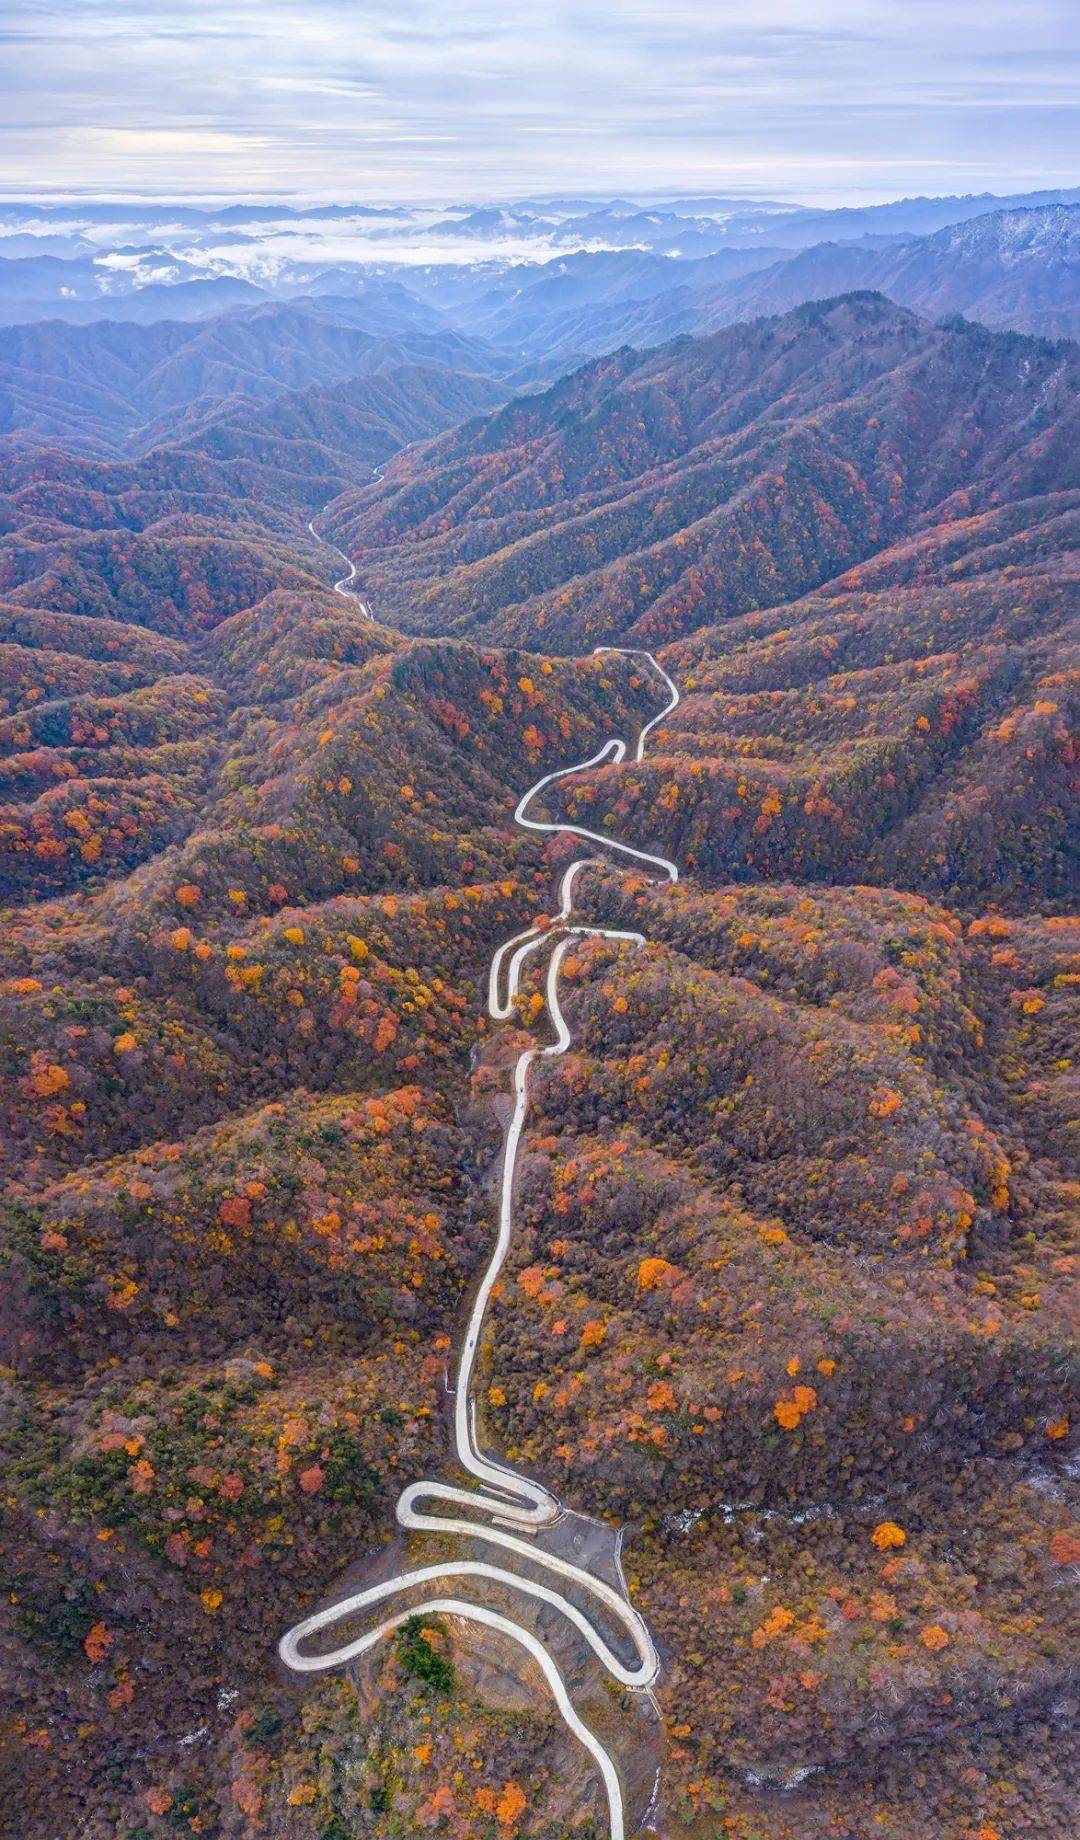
(825, 101)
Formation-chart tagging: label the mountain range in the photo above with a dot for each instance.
(650, 492)
(789, 1295)
(111, 388)
(553, 285)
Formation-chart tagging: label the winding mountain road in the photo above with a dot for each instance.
(509, 1499)
(343, 587)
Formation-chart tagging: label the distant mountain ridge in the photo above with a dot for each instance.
(649, 492)
(98, 386)
(1017, 269)
(150, 262)
(1014, 269)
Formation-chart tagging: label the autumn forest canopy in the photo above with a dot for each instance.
(792, 1287)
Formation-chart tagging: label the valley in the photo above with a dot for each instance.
(537, 998)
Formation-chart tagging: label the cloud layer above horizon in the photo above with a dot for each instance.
(827, 100)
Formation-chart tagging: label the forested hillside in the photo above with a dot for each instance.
(241, 1170)
(790, 1296)
(649, 494)
(109, 388)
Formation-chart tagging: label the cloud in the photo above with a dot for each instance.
(441, 98)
